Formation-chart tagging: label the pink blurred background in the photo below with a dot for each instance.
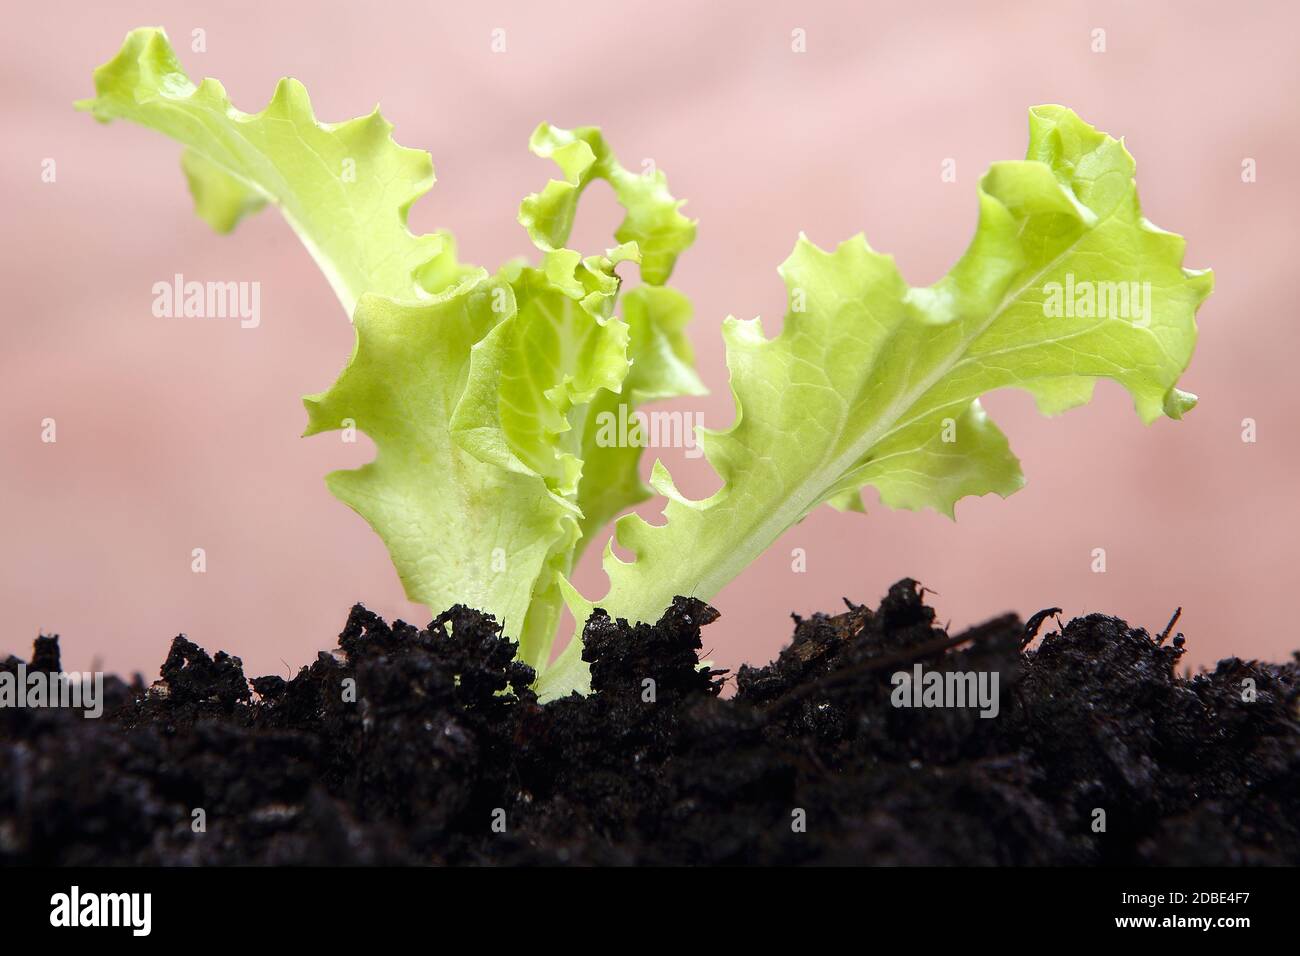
(177, 434)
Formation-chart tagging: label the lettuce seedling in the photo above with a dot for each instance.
(482, 391)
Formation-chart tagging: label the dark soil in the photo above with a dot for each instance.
(444, 733)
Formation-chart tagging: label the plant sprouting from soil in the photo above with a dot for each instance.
(483, 391)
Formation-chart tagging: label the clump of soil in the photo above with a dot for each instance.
(427, 746)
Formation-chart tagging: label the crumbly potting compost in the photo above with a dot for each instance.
(427, 747)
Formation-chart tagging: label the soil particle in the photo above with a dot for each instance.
(427, 746)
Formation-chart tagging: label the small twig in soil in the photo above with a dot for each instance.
(1035, 622)
(1164, 635)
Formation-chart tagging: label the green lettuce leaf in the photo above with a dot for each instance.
(345, 188)
(530, 380)
(545, 361)
(661, 361)
(662, 367)
(654, 221)
(541, 382)
(868, 375)
(458, 529)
